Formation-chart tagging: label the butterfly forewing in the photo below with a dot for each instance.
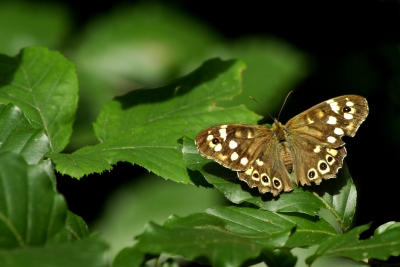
(326, 123)
(234, 146)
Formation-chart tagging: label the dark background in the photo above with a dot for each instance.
(356, 49)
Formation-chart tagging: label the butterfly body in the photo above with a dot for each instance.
(309, 145)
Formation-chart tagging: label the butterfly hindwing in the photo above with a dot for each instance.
(268, 171)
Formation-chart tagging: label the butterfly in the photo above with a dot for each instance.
(309, 145)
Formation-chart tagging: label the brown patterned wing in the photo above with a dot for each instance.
(313, 162)
(268, 171)
(315, 137)
(235, 146)
(326, 123)
(252, 150)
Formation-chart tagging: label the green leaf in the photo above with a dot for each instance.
(44, 85)
(35, 227)
(129, 257)
(143, 127)
(381, 246)
(309, 230)
(208, 239)
(89, 252)
(31, 212)
(17, 135)
(337, 195)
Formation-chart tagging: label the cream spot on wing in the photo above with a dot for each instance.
(249, 134)
(223, 157)
(238, 134)
(349, 104)
(320, 114)
(224, 126)
(350, 126)
(210, 137)
(334, 107)
(317, 149)
(211, 144)
(249, 171)
(234, 156)
(222, 133)
(338, 131)
(218, 148)
(310, 121)
(259, 162)
(232, 144)
(331, 139)
(330, 101)
(331, 120)
(244, 161)
(348, 116)
(331, 151)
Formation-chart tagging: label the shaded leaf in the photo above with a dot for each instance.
(17, 135)
(143, 127)
(207, 239)
(89, 252)
(44, 85)
(381, 246)
(309, 230)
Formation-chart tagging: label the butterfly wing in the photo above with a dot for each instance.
(234, 146)
(252, 150)
(315, 136)
(268, 171)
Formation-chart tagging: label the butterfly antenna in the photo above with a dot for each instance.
(284, 102)
(261, 106)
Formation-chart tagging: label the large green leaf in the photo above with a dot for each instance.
(381, 246)
(44, 85)
(36, 229)
(17, 135)
(143, 127)
(85, 253)
(310, 230)
(209, 239)
(31, 212)
(337, 195)
(230, 235)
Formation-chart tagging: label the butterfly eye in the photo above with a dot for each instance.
(215, 141)
(277, 183)
(346, 109)
(265, 179)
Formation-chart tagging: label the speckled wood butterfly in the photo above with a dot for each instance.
(309, 145)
